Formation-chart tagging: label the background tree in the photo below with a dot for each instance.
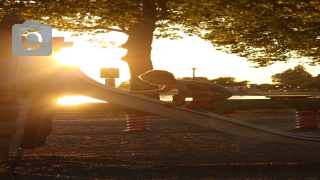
(135, 18)
(203, 79)
(263, 31)
(294, 77)
(314, 83)
(241, 83)
(224, 81)
(266, 31)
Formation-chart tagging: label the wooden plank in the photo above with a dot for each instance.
(7, 125)
(10, 108)
(20, 131)
(8, 100)
(8, 97)
(8, 85)
(8, 116)
(4, 152)
(3, 156)
(13, 68)
(5, 142)
(7, 133)
(4, 66)
(8, 62)
(25, 106)
(8, 93)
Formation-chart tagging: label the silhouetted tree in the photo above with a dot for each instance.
(224, 81)
(263, 31)
(266, 31)
(314, 83)
(294, 77)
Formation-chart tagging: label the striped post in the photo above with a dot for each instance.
(137, 122)
(308, 118)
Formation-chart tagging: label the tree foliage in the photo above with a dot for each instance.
(224, 81)
(294, 77)
(262, 31)
(202, 79)
(314, 83)
(266, 31)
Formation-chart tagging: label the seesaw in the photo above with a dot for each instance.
(74, 80)
(32, 85)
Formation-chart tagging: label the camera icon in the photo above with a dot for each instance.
(28, 46)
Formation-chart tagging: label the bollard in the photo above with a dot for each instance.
(109, 74)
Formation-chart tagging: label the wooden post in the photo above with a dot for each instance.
(25, 115)
(39, 124)
(109, 74)
(11, 113)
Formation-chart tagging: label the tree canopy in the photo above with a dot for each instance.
(262, 31)
(266, 31)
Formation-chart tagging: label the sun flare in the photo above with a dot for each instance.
(66, 58)
(76, 99)
(90, 60)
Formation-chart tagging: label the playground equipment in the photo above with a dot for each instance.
(109, 75)
(307, 111)
(136, 121)
(30, 86)
(25, 116)
(307, 117)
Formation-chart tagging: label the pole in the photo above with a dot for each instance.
(194, 74)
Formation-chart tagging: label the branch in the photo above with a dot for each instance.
(163, 10)
(111, 29)
(123, 28)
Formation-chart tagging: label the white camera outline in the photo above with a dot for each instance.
(45, 30)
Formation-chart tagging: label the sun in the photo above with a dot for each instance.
(90, 60)
(66, 58)
(91, 56)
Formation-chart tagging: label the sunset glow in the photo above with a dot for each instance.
(75, 99)
(90, 59)
(187, 53)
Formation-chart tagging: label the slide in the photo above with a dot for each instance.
(72, 79)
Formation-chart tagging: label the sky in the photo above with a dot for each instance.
(176, 56)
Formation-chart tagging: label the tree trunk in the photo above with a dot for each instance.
(138, 55)
(138, 45)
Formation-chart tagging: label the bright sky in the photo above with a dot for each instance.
(176, 56)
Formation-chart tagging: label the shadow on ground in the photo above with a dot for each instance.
(95, 146)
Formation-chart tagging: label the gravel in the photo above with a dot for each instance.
(94, 146)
